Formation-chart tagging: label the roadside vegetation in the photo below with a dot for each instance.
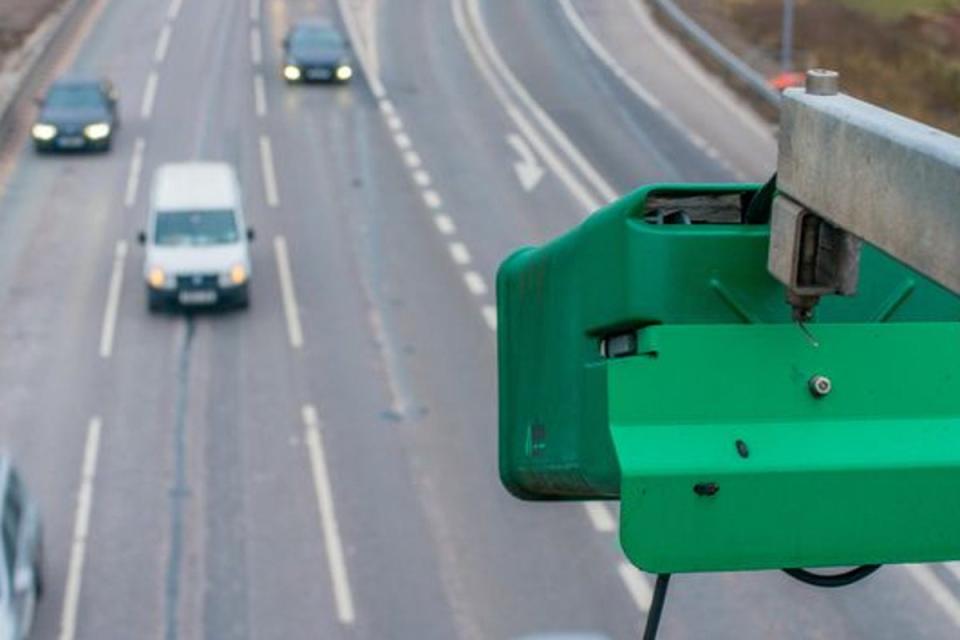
(901, 54)
(18, 18)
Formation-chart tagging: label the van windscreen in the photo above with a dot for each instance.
(195, 228)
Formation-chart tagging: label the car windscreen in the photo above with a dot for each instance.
(195, 228)
(74, 97)
(326, 39)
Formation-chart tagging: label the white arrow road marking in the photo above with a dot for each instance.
(528, 169)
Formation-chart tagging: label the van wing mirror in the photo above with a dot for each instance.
(142, 237)
(251, 234)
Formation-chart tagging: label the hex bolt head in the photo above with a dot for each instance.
(822, 82)
(820, 386)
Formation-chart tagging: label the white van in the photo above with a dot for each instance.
(196, 239)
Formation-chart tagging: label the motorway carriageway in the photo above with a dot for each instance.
(323, 465)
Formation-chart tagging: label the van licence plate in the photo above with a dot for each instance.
(318, 74)
(203, 296)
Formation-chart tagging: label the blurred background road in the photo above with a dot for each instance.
(324, 464)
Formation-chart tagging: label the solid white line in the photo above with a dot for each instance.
(580, 193)
(254, 10)
(600, 52)
(475, 283)
(576, 158)
(256, 48)
(432, 199)
(445, 224)
(362, 55)
(637, 585)
(394, 122)
(163, 43)
(459, 253)
(328, 517)
(422, 178)
(149, 95)
(81, 531)
(290, 308)
(938, 592)
(412, 159)
(490, 316)
(174, 10)
(113, 300)
(402, 140)
(600, 517)
(269, 173)
(678, 54)
(259, 95)
(133, 176)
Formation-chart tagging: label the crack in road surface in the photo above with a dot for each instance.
(179, 492)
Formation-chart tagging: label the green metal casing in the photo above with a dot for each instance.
(844, 479)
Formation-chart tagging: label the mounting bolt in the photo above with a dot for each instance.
(823, 82)
(820, 386)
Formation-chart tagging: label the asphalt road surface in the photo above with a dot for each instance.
(324, 464)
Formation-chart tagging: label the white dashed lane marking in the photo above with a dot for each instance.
(256, 48)
(269, 172)
(81, 531)
(444, 224)
(133, 176)
(149, 95)
(163, 43)
(432, 199)
(259, 95)
(459, 253)
(395, 123)
(637, 585)
(490, 316)
(475, 283)
(422, 178)
(328, 516)
(109, 327)
(600, 517)
(290, 307)
(412, 159)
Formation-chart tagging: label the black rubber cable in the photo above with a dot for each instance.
(761, 205)
(832, 580)
(656, 607)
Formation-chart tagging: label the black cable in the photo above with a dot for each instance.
(761, 205)
(656, 607)
(832, 580)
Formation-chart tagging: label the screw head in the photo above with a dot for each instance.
(822, 82)
(820, 386)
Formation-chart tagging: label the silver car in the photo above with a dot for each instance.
(21, 573)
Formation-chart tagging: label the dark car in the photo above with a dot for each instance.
(78, 112)
(314, 51)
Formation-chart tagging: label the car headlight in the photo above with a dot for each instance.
(344, 72)
(291, 72)
(97, 131)
(156, 278)
(235, 277)
(44, 132)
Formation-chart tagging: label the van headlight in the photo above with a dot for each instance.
(156, 278)
(44, 132)
(344, 72)
(97, 131)
(291, 72)
(235, 277)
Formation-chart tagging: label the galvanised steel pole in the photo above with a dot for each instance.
(786, 41)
